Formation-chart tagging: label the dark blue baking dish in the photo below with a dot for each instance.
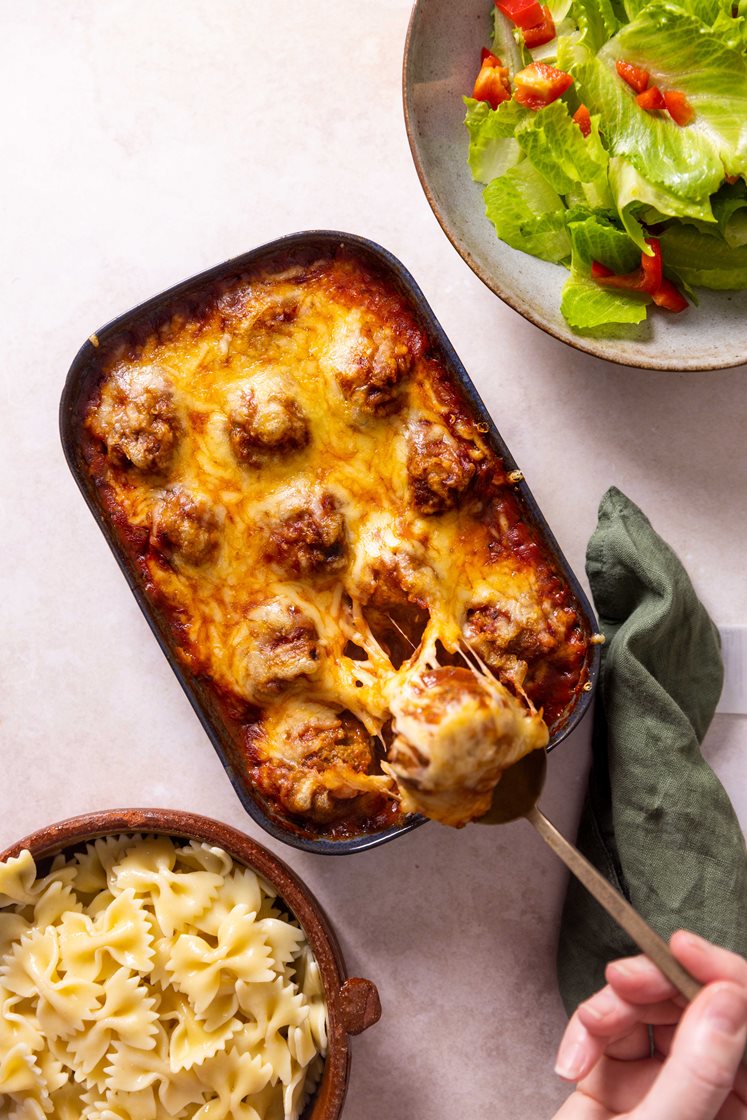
(296, 247)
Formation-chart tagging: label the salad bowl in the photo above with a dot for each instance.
(442, 57)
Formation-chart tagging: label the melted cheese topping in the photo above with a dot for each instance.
(291, 335)
(456, 733)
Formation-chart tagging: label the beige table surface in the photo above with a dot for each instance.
(144, 140)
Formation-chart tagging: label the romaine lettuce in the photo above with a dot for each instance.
(573, 199)
(518, 204)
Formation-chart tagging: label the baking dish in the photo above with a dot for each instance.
(296, 250)
(352, 1003)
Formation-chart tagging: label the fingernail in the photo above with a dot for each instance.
(630, 967)
(691, 939)
(726, 1010)
(570, 1062)
(600, 1005)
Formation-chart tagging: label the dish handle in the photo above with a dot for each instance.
(359, 1005)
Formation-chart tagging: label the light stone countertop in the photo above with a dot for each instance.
(144, 142)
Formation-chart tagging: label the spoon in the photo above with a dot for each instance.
(516, 796)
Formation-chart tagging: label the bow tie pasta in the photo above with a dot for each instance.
(143, 978)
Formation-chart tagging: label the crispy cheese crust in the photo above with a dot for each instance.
(310, 500)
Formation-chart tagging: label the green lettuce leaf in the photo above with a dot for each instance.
(632, 193)
(595, 238)
(505, 45)
(519, 203)
(682, 53)
(557, 148)
(704, 259)
(596, 21)
(492, 148)
(732, 30)
(707, 11)
(591, 309)
(730, 211)
(588, 307)
(681, 160)
(633, 7)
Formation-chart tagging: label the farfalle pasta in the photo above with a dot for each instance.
(143, 978)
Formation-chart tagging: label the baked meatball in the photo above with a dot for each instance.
(264, 421)
(439, 467)
(496, 632)
(137, 418)
(325, 741)
(185, 527)
(283, 646)
(315, 740)
(309, 536)
(369, 371)
(456, 731)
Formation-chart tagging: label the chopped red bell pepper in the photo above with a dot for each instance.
(669, 297)
(647, 278)
(489, 57)
(492, 83)
(600, 271)
(543, 33)
(524, 13)
(652, 265)
(651, 99)
(582, 117)
(636, 77)
(538, 85)
(678, 107)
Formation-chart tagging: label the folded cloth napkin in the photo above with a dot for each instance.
(656, 821)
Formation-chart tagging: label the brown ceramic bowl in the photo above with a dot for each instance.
(352, 1004)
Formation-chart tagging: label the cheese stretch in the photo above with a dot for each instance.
(300, 474)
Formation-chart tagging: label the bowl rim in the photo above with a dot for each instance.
(578, 342)
(352, 1003)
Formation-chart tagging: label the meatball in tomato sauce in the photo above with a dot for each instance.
(282, 648)
(309, 537)
(186, 528)
(439, 467)
(137, 418)
(265, 420)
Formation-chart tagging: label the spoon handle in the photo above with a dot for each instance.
(617, 907)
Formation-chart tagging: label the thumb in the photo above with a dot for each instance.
(699, 1073)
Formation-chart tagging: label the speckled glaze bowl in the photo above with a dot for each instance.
(352, 1003)
(442, 56)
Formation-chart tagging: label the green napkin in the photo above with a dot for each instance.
(657, 821)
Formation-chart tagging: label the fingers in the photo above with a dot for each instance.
(732, 1109)
(580, 1107)
(581, 1048)
(699, 1073)
(608, 1014)
(579, 1051)
(621, 1085)
(606, 1022)
(708, 962)
(638, 980)
(633, 1047)
(663, 1038)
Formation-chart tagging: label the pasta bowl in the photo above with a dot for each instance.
(352, 1004)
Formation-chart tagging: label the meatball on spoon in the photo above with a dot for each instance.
(465, 748)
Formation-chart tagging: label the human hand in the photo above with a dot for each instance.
(695, 1072)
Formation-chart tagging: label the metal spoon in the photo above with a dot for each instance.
(516, 796)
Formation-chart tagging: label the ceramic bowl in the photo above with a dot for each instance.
(442, 56)
(352, 1003)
